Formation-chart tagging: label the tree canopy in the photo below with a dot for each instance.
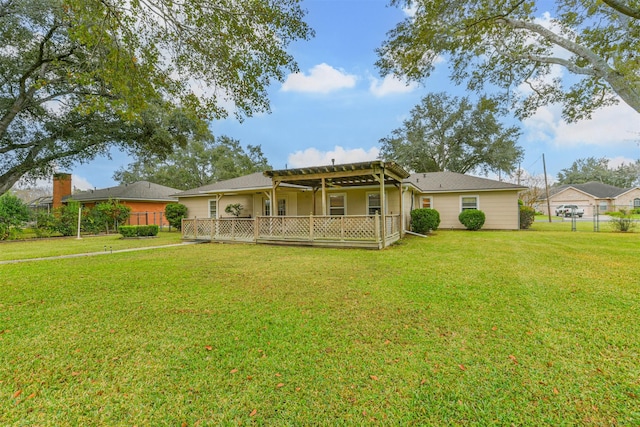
(592, 169)
(80, 76)
(446, 133)
(199, 163)
(509, 44)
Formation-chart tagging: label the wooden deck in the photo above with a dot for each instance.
(327, 231)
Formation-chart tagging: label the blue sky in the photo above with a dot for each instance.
(339, 107)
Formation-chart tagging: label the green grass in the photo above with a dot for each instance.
(57, 246)
(461, 328)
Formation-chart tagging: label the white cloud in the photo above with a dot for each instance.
(315, 157)
(614, 162)
(322, 78)
(390, 85)
(80, 183)
(614, 125)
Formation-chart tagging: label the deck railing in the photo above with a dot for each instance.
(357, 229)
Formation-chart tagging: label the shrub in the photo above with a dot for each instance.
(138, 230)
(472, 219)
(13, 214)
(424, 220)
(45, 224)
(111, 212)
(174, 212)
(622, 223)
(527, 216)
(67, 218)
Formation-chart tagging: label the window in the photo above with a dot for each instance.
(426, 203)
(636, 203)
(374, 204)
(603, 207)
(266, 207)
(213, 209)
(282, 207)
(468, 202)
(337, 204)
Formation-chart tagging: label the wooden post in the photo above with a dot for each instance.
(311, 227)
(195, 228)
(256, 228)
(324, 198)
(383, 208)
(376, 227)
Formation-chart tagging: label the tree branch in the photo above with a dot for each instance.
(623, 8)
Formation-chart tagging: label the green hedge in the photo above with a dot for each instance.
(473, 219)
(138, 230)
(424, 220)
(527, 216)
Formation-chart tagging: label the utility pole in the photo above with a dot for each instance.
(546, 186)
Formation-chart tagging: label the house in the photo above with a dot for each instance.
(450, 193)
(594, 197)
(364, 204)
(146, 199)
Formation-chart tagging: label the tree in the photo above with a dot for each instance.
(451, 134)
(592, 169)
(200, 162)
(174, 212)
(13, 214)
(113, 213)
(505, 43)
(79, 76)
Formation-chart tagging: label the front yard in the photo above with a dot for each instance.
(462, 328)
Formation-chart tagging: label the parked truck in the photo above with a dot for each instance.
(569, 210)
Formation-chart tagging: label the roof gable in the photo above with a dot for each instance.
(437, 182)
(595, 189)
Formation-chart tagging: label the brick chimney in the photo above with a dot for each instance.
(61, 188)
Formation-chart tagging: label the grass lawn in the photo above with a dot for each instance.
(56, 246)
(461, 328)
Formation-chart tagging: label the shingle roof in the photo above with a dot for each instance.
(593, 188)
(436, 182)
(141, 190)
(254, 180)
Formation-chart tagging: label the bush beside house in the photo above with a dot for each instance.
(174, 212)
(472, 219)
(139, 230)
(424, 220)
(527, 216)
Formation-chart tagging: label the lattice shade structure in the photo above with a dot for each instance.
(336, 176)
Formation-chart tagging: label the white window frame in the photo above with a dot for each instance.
(344, 197)
(430, 198)
(284, 212)
(469, 196)
(379, 208)
(215, 201)
(266, 206)
(636, 203)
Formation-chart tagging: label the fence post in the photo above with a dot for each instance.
(311, 227)
(256, 228)
(377, 227)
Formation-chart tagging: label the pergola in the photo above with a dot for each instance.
(319, 178)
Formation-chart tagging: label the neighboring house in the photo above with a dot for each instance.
(592, 197)
(359, 204)
(146, 199)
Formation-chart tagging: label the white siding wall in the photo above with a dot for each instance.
(500, 208)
